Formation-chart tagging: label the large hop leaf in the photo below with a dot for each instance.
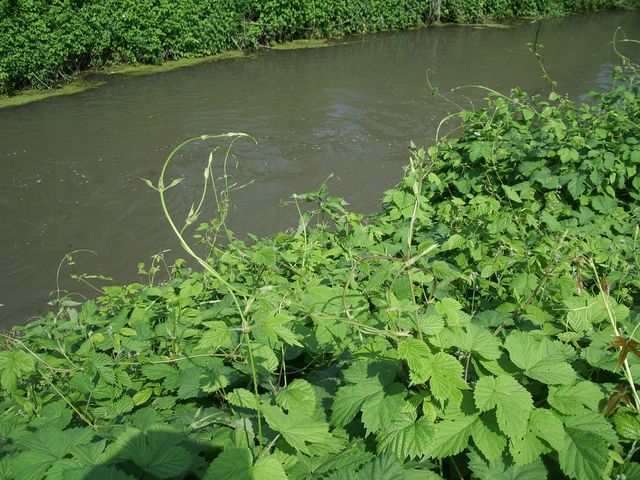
(511, 400)
(541, 360)
(303, 432)
(238, 464)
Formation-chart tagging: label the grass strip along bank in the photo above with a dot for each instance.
(483, 325)
(44, 43)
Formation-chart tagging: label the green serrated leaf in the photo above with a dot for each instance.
(584, 456)
(452, 435)
(349, 400)
(547, 426)
(379, 411)
(479, 340)
(384, 467)
(237, 464)
(540, 360)
(445, 377)
(572, 400)
(298, 395)
(407, 437)
(627, 425)
(417, 355)
(14, 364)
(511, 400)
(241, 397)
(307, 434)
(488, 438)
(216, 336)
(593, 422)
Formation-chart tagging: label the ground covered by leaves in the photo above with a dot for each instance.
(483, 325)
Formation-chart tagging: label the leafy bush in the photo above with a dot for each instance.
(42, 42)
(482, 325)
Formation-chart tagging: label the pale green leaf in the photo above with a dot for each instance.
(237, 464)
(572, 400)
(349, 399)
(407, 437)
(479, 340)
(445, 377)
(380, 371)
(511, 400)
(452, 310)
(141, 396)
(547, 426)
(501, 470)
(592, 422)
(268, 468)
(511, 194)
(298, 395)
(488, 438)
(627, 425)
(13, 365)
(265, 360)
(430, 324)
(417, 355)
(526, 449)
(241, 397)
(265, 257)
(384, 467)
(379, 411)
(540, 360)
(216, 336)
(307, 434)
(452, 435)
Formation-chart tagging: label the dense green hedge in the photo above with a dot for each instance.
(43, 41)
(482, 326)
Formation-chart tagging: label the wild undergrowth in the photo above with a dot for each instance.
(482, 325)
(44, 43)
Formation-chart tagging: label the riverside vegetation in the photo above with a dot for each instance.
(44, 42)
(482, 325)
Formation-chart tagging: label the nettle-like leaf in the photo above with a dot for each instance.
(407, 437)
(381, 410)
(349, 400)
(585, 455)
(478, 340)
(443, 371)
(502, 470)
(541, 360)
(298, 395)
(452, 311)
(384, 467)
(573, 399)
(513, 403)
(303, 432)
(238, 464)
(488, 438)
(627, 425)
(14, 364)
(216, 336)
(156, 450)
(452, 435)
(241, 397)
(46, 447)
(417, 355)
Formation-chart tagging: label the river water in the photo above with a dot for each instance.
(71, 166)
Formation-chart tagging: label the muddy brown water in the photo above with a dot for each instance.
(71, 166)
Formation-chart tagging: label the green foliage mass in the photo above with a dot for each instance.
(481, 326)
(43, 42)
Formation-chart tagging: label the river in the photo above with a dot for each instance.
(72, 166)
